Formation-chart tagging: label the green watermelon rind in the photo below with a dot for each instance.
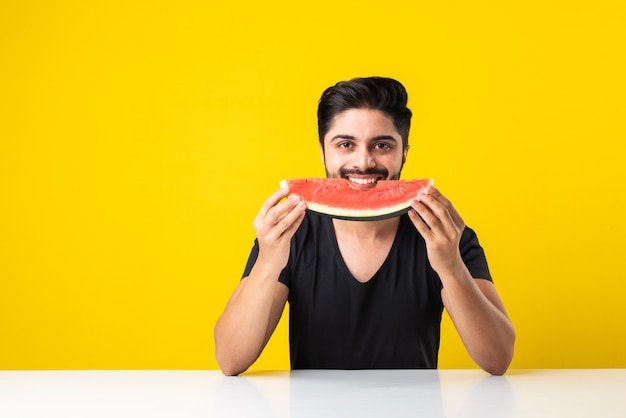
(360, 214)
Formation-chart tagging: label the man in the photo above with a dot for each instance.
(364, 294)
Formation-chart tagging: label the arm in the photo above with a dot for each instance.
(256, 305)
(473, 304)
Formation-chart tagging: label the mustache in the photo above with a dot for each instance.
(368, 172)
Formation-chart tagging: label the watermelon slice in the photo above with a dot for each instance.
(335, 197)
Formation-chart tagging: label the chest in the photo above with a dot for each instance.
(333, 279)
(364, 258)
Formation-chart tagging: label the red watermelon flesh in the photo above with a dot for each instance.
(335, 197)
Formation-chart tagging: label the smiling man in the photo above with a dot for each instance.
(364, 294)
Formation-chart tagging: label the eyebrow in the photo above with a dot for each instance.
(376, 138)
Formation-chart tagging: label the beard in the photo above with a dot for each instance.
(382, 172)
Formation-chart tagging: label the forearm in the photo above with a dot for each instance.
(480, 319)
(246, 324)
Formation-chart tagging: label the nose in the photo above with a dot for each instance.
(364, 159)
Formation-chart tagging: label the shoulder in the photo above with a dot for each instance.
(469, 238)
(314, 227)
(313, 222)
(474, 255)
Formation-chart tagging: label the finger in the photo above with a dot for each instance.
(426, 214)
(438, 216)
(287, 225)
(439, 197)
(420, 224)
(294, 219)
(278, 212)
(445, 202)
(289, 216)
(272, 212)
(273, 200)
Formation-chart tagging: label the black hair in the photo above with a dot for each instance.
(377, 93)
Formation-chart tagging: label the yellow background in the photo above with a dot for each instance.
(139, 139)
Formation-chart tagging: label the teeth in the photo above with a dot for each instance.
(362, 181)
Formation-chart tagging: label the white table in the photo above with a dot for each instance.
(314, 393)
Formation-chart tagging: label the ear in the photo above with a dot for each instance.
(404, 154)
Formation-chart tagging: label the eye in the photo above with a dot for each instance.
(345, 145)
(382, 146)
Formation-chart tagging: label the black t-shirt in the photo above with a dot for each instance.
(391, 321)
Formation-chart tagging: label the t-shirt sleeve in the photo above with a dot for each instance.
(474, 256)
(254, 254)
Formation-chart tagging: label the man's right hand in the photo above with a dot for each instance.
(275, 224)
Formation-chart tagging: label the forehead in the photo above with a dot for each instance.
(362, 123)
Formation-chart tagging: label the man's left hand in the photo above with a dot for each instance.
(441, 226)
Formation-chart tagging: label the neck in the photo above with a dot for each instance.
(367, 229)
